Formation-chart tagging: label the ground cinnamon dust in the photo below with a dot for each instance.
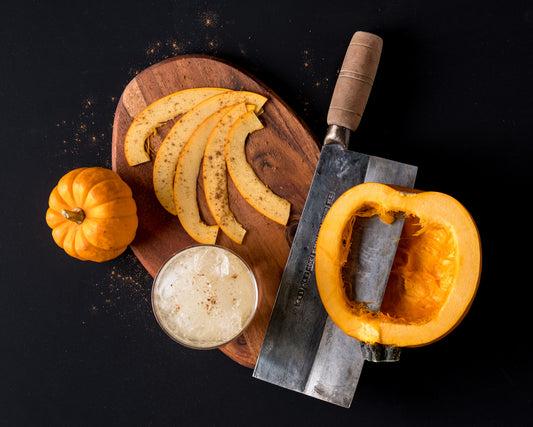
(126, 291)
(85, 135)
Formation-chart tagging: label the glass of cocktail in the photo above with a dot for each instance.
(204, 296)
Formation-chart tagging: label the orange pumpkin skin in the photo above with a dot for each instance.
(435, 274)
(92, 214)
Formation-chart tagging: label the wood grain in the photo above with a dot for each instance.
(283, 154)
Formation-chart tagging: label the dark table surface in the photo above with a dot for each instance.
(80, 345)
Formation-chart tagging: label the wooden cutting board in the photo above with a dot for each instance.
(284, 155)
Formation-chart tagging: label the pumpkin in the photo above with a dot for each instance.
(168, 153)
(435, 273)
(92, 214)
(249, 185)
(214, 177)
(158, 112)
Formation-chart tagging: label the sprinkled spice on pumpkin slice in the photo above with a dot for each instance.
(254, 191)
(215, 178)
(186, 180)
(157, 113)
(168, 154)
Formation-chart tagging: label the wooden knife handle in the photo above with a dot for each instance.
(355, 80)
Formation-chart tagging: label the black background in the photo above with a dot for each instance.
(80, 345)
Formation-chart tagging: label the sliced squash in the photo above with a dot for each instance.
(254, 191)
(168, 154)
(158, 112)
(186, 179)
(215, 178)
(434, 277)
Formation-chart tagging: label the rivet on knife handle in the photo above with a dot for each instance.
(355, 80)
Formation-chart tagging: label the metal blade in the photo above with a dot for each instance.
(302, 351)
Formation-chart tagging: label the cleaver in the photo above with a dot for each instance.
(303, 350)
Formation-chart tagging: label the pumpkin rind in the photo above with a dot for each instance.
(452, 239)
(109, 214)
(85, 248)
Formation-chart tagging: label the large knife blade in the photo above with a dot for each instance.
(303, 350)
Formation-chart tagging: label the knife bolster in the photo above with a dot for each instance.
(338, 135)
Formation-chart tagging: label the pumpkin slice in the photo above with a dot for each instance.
(247, 182)
(186, 179)
(434, 277)
(167, 156)
(215, 178)
(157, 113)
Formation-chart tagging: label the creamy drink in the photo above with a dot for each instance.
(204, 296)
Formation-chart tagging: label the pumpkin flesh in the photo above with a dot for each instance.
(186, 182)
(422, 274)
(434, 275)
(215, 179)
(157, 113)
(249, 185)
(168, 154)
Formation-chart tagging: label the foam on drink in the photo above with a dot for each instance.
(204, 296)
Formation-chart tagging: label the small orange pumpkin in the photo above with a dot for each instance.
(92, 214)
(435, 273)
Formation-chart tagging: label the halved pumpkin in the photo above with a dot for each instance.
(435, 273)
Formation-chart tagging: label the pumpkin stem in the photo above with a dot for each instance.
(75, 215)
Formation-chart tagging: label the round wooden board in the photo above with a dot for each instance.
(284, 155)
